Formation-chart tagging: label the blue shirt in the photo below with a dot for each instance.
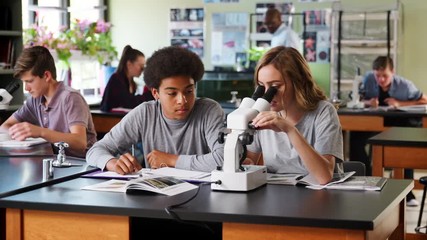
(400, 89)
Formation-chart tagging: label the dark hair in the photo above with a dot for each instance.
(382, 62)
(36, 59)
(170, 62)
(273, 13)
(292, 66)
(128, 54)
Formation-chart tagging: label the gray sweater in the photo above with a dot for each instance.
(194, 139)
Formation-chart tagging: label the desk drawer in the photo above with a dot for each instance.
(362, 123)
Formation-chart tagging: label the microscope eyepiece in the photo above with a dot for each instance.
(268, 96)
(259, 91)
(12, 87)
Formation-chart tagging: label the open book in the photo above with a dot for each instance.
(187, 175)
(411, 108)
(164, 185)
(22, 144)
(369, 183)
(308, 180)
(344, 181)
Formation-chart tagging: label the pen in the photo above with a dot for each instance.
(133, 150)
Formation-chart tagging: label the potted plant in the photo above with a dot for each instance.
(255, 54)
(91, 38)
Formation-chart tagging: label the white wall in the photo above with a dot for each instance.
(144, 25)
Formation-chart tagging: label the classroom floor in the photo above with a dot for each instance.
(412, 212)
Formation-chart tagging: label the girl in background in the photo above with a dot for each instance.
(121, 88)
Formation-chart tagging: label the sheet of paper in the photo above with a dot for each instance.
(191, 176)
(178, 173)
(26, 143)
(111, 174)
(112, 185)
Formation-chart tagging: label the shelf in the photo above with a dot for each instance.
(36, 8)
(358, 36)
(260, 37)
(11, 38)
(11, 33)
(364, 50)
(363, 42)
(344, 81)
(368, 16)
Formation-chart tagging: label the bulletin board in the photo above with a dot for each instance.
(317, 38)
(186, 29)
(229, 38)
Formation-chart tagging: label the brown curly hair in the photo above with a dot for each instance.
(172, 61)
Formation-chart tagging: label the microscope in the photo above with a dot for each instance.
(355, 96)
(233, 175)
(6, 94)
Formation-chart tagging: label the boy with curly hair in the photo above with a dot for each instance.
(176, 129)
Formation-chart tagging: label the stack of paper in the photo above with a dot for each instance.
(20, 144)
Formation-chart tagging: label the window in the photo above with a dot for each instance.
(57, 14)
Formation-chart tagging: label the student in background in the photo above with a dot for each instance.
(121, 87)
(382, 87)
(175, 130)
(301, 133)
(282, 34)
(54, 111)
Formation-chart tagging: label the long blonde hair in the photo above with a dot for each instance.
(292, 66)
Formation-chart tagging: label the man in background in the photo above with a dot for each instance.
(282, 34)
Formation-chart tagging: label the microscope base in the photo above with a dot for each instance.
(357, 105)
(253, 177)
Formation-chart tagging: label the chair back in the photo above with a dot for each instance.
(358, 167)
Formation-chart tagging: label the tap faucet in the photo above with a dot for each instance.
(60, 159)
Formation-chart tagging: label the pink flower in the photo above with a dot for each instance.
(102, 27)
(83, 25)
(91, 38)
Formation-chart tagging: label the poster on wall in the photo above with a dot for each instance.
(186, 29)
(317, 36)
(310, 46)
(229, 38)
